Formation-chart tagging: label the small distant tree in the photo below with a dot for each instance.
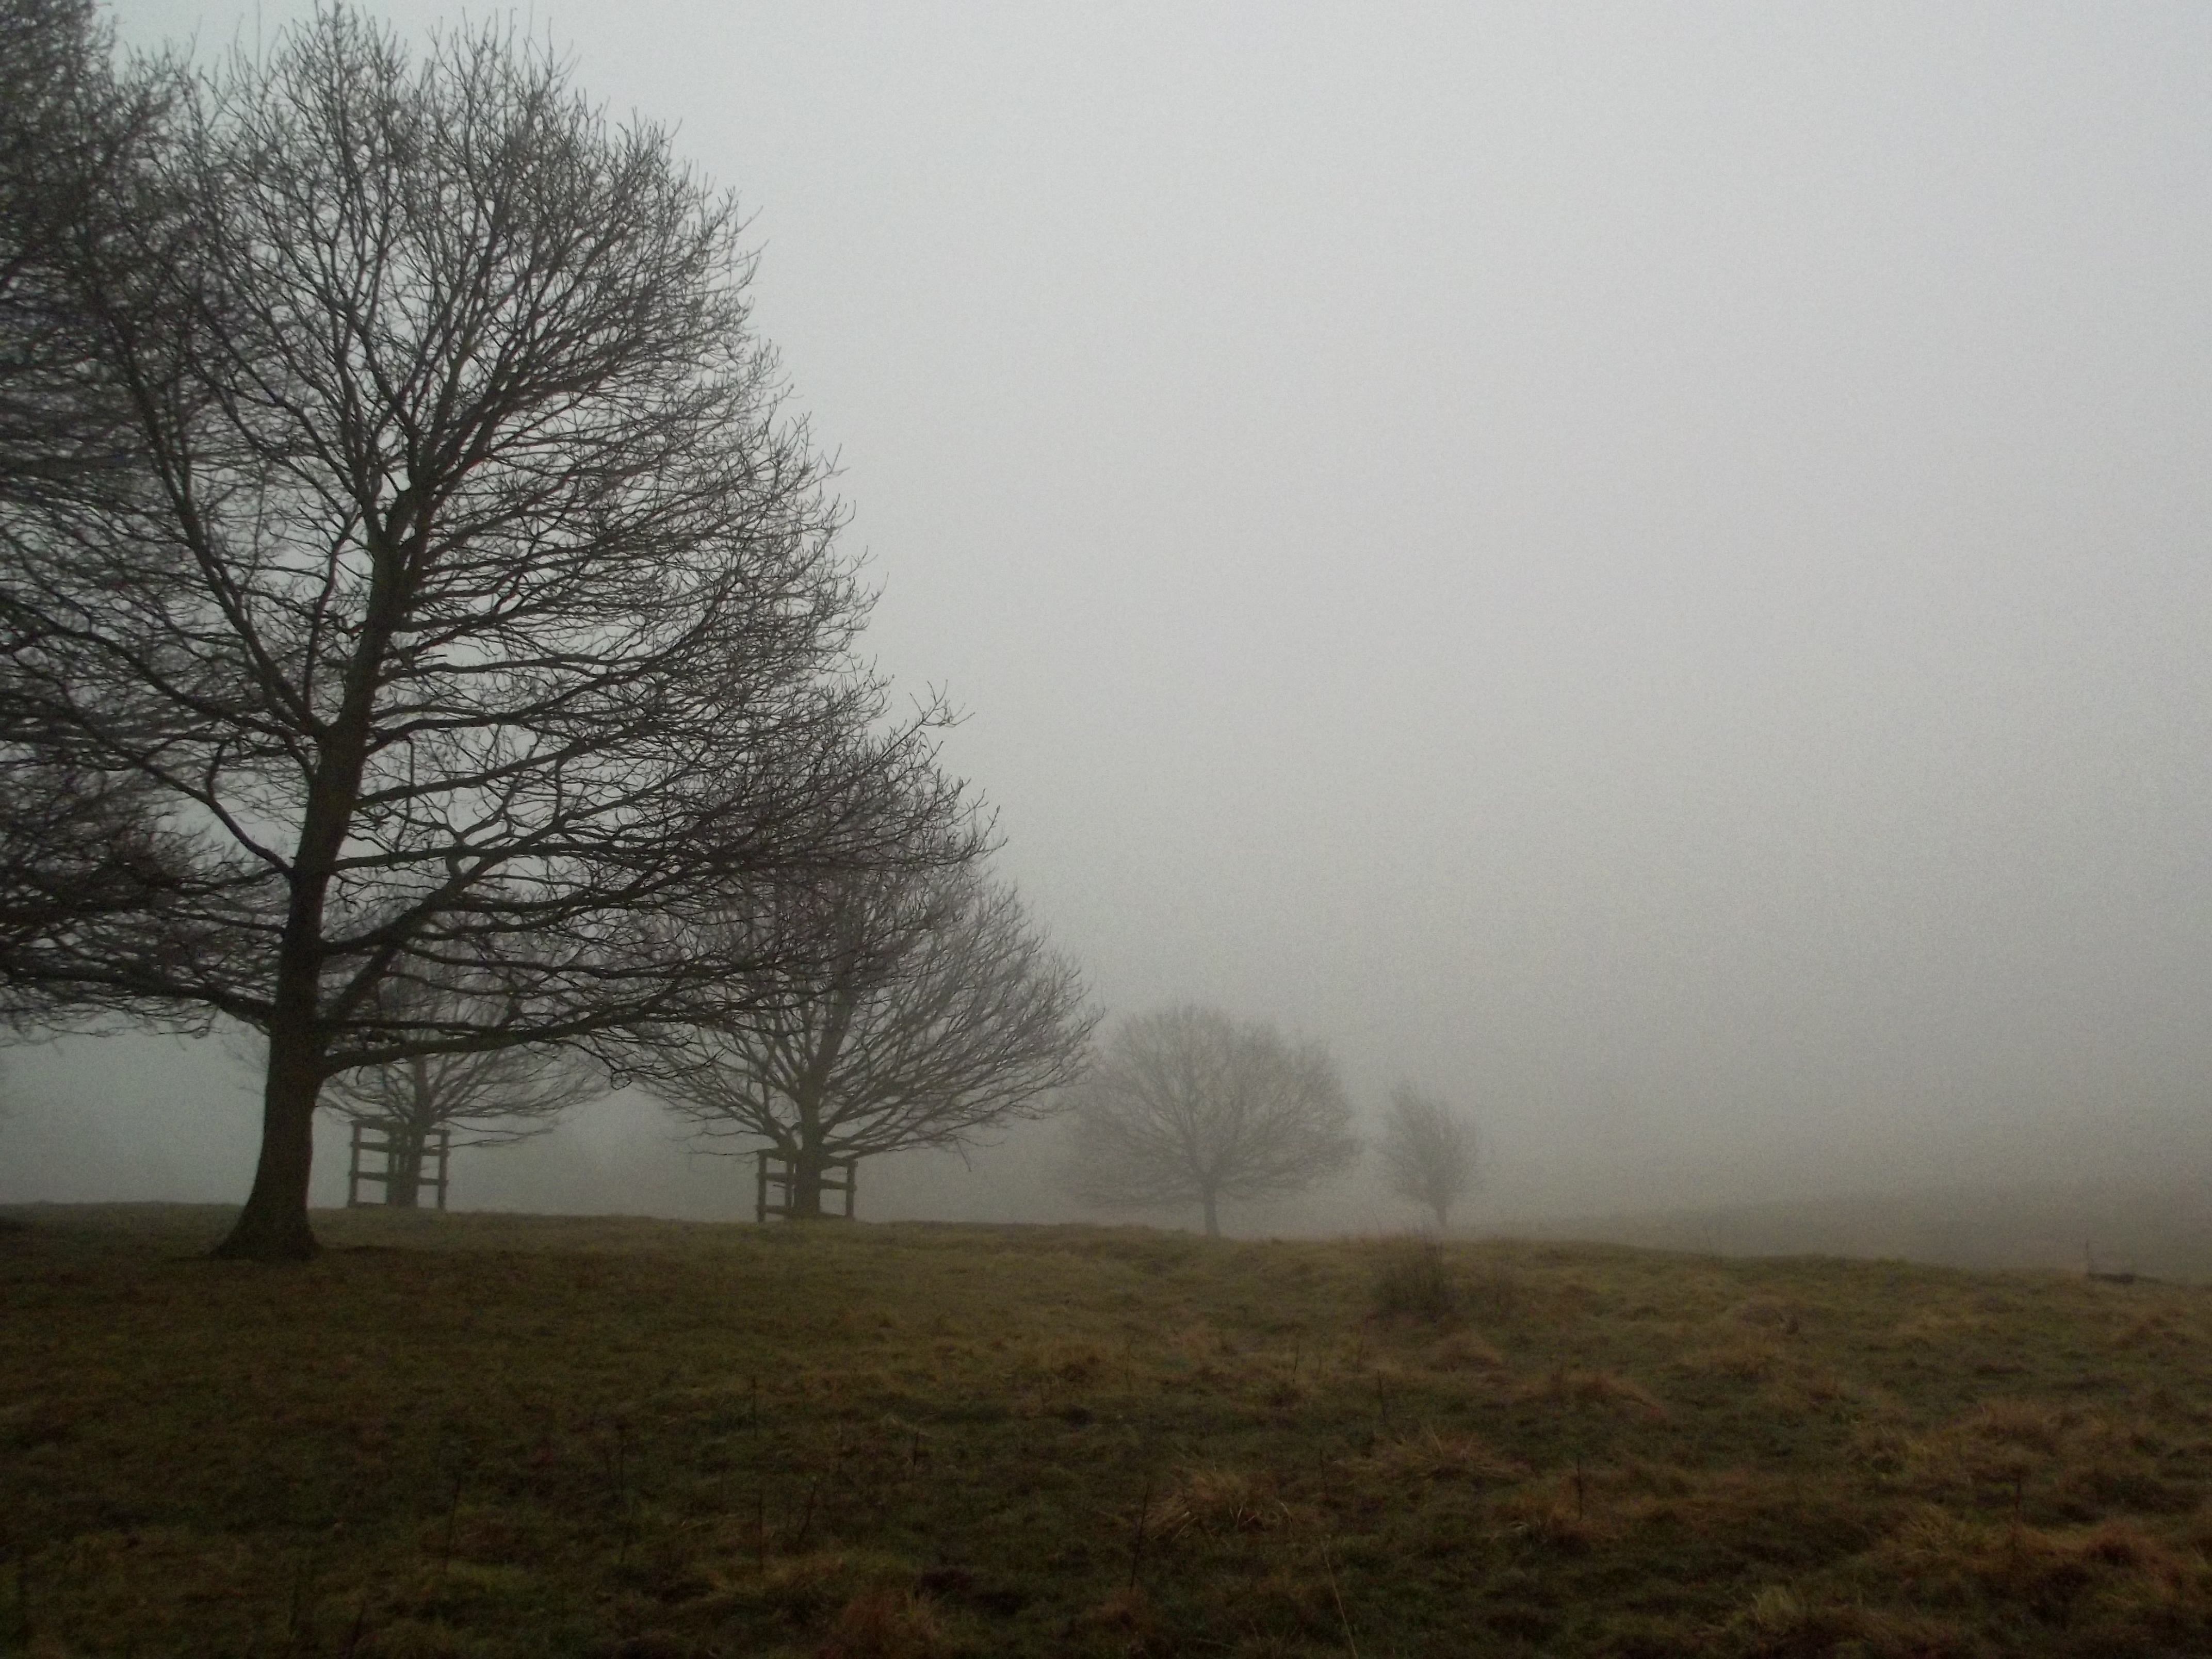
(928, 1011)
(488, 1097)
(1430, 1155)
(1189, 1106)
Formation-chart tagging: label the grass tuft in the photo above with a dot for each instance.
(1411, 1281)
(1606, 1390)
(887, 1624)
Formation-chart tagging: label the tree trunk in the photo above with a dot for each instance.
(807, 1167)
(273, 1226)
(1212, 1216)
(404, 1190)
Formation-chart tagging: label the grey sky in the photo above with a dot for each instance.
(1645, 566)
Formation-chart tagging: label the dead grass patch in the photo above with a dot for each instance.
(1784, 1622)
(1128, 1615)
(1218, 1500)
(1604, 1391)
(2167, 1326)
(1429, 1454)
(1412, 1281)
(2036, 1424)
(1053, 1368)
(1769, 1313)
(2050, 1451)
(1933, 1328)
(1743, 1356)
(1568, 1513)
(1708, 1503)
(887, 1624)
(1464, 1350)
(2118, 1563)
(1494, 1292)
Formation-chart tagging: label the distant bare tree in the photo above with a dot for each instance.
(489, 1097)
(1188, 1106)
(1429, 1154)
(483, 632)
(937, 1013)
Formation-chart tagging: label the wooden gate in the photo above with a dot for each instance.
(776, 1172)
(377, 1138)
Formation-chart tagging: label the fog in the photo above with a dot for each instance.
(1643, 568)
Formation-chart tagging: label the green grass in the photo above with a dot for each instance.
(471, 1435)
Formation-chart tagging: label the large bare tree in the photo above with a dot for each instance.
(939, 1013)
(484, 630)
(1430, 1154)
(1189, 1106)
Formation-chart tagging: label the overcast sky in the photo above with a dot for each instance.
(1644, 566)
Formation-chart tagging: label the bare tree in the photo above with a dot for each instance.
(1188, 1106)
(484, 631)
(1430, 1155)
(938, 1013)
(491, 1098)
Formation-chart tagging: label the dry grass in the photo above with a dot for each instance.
(1430, 1455)
(887, 1624)
(1604, 1391)
(1218, 1500)
(1464, 1350)
(490, 1437)
(1413, 1281)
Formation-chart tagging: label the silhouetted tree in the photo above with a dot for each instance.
(487, 1097)
(1429, 1154)
(1188, 1106)
(936, 1013)
(484, 631)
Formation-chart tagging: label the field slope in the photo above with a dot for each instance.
(501, 1436)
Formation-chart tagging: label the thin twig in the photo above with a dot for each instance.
(806, 1515)
(452, 1515)
(1342, 1617)
(1137, 1541)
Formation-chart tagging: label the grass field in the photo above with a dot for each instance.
(501, 1436)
